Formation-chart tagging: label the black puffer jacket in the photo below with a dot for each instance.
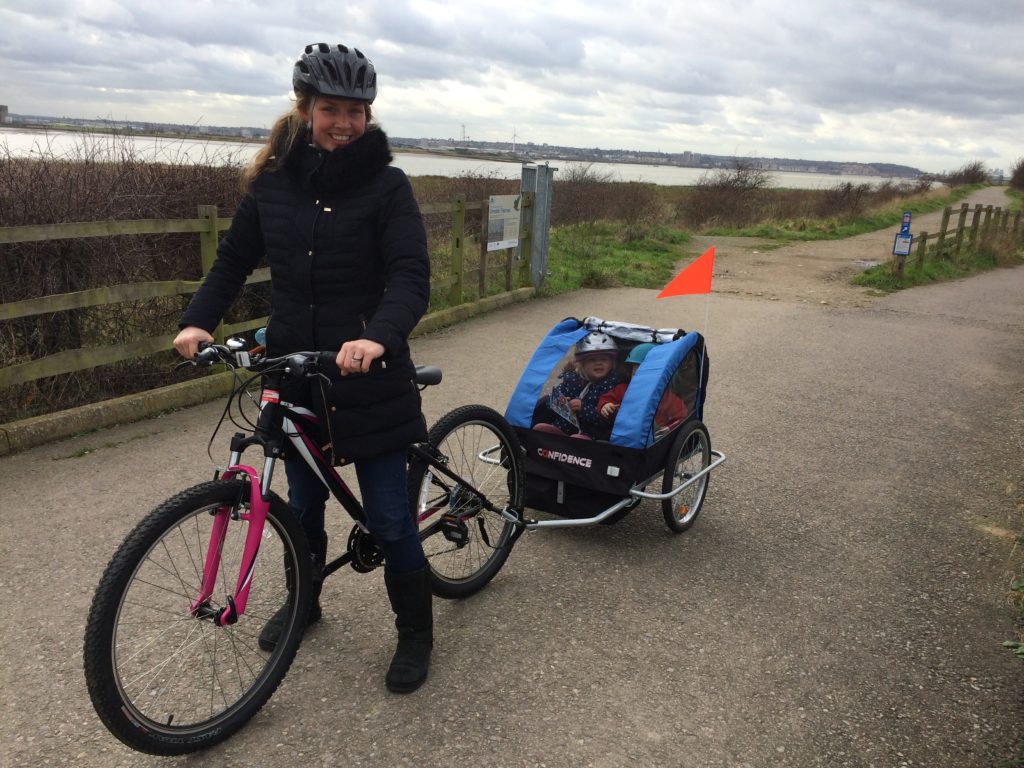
(347, 250)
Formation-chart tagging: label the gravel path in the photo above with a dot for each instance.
(840, 601)
(815, 272)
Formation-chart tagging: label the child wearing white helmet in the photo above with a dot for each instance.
(575, 399)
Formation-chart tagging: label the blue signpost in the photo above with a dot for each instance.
(901, 245)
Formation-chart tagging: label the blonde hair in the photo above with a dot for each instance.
(283, 137)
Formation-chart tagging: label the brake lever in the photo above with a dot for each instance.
(324, 359)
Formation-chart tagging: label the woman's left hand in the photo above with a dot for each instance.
(356, 356)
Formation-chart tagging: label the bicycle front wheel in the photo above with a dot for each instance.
(165, 681)
(465, 543)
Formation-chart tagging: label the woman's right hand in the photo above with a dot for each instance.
(187, 342)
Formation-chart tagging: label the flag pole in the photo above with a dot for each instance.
(695, 278)
(704, 351)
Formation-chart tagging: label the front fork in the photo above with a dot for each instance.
(258, 493)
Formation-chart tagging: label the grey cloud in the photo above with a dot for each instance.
(767, 72)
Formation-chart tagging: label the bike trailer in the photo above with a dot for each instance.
(578, 478)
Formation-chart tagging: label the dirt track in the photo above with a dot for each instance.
(816, 272)
(838, 603)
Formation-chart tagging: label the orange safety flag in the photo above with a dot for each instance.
(695, 277)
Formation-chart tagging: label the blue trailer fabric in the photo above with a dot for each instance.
(549, 352)
(632, 427)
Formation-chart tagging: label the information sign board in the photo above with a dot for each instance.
(901, 245)
(503, 221)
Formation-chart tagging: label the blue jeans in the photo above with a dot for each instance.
(382, 484)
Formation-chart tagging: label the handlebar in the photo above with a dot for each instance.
(234, 354)
(295, 364)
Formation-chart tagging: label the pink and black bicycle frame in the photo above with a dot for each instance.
(271, 410)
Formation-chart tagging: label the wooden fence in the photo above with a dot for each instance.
(950, 240)
(453, 286)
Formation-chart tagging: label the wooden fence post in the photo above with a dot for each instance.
(960, 227)
(1016, 223)
(974, 224)
(208, 240)
(986, 223)
(942, 230)
(922, 248)
(485, 216)
(458, 249)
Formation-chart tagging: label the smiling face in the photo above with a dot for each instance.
(337, 122)
(597, 365)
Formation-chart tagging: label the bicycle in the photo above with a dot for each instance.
(171, 657)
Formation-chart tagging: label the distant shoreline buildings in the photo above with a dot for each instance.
(518, 151)
(532, 151)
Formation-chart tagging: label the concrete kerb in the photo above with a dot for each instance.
(28, 433)
(38, 430)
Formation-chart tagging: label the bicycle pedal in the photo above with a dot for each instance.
(454, 529)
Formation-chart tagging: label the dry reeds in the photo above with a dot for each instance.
(106, 181)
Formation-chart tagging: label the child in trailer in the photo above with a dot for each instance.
(671, 410)
(572, 405)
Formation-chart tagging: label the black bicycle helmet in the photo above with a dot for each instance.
(335, 71)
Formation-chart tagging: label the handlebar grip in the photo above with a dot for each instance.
(206, 354)
(327, 359)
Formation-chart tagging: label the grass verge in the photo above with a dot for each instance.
(833, 228)
(599, 256)
(883, 277)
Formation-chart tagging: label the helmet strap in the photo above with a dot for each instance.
(309, 120)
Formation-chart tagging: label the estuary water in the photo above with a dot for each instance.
(66, 144)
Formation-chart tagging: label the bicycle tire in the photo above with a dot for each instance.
(689, 454)
(163, 681)
(465, 544)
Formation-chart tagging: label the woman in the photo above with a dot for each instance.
(347, 252)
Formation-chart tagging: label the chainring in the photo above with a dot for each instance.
(366, 554)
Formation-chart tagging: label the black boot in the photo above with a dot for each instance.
(411, 600)
(271, 631)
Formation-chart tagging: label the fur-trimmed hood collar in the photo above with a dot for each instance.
(346, 167)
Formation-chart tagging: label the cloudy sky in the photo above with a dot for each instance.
(928, 83)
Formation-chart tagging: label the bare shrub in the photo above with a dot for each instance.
(583, 195)
(106, 181)
(640, 209)
(473, 186)
(844, 199)
(848, 200)
(729, 197)
(973, 172)
(1017, 175)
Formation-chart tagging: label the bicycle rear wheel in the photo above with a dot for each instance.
(689, 455)
(166, 682)
(465, 543)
